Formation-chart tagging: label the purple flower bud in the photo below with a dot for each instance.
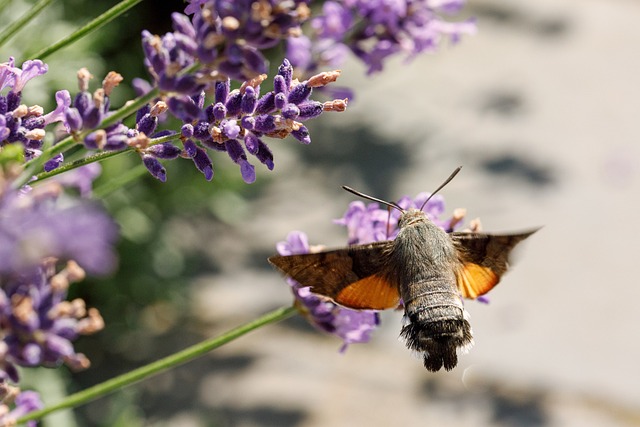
(264, 155)
(279, 85)
(248, 122)
(201, 130)
(54, 162)
(280, 100)
(73, 119)
(234, 103)
(164, 151)
(91, 118)
(219, 111)
(203, 163)
(31, 354)
(286, 70)
(116, 142)
(266, 104)
(290, 111)
(142, 111)
(182, 24)
(199, 99)
(310, 110)
(147, 124)
(302, 135)
(248, 171)
(154, 167)
(59, 345)
(222, 91)
(162, 134)
(184, 108)
(249, 100)
(235, 150)
(187, 130)
(83, 102)
(251, 141)
(265, 123)
(254, 60)
(13, 100)
(94, 140)
(299, 93)
(190, 148)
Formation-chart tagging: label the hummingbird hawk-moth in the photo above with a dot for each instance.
(424, 268)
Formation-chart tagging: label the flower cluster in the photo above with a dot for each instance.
(22, 402)
(225, 36)
(244, 115)
(36, 236)
(351, 326)
(365, 224)
(20, 123)
(33, 227)
(38, 324)
(376, 30)
(371, 223)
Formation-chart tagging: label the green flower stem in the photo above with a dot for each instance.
(96, 158)
(34, 165)
(11, 29)
(98, 22)
(161, 365)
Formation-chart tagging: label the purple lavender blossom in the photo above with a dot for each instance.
(32, 228)
(352, 326)
(88, 110)
(38, 324)
(226, 37)
(371, 223)
(376, 30)
(20, 123)
(239, 121)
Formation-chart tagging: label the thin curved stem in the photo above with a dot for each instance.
(161, 365)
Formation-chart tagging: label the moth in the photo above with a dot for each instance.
(424, 268)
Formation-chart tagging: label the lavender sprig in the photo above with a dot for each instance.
(376, 30)
(238, 121)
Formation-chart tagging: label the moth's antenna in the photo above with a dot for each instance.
(453, 174)
(366, 196)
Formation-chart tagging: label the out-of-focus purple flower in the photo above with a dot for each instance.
(375, 30)
(352, 326)
(34, 227)
(16, 404)
(38, 324)
(371, 223)
(226, 37)
(239, 121)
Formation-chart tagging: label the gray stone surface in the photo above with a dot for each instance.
(541, 107)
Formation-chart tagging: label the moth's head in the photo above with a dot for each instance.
(412, 216)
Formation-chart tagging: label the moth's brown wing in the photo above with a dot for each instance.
(484, 258)
(352, 277)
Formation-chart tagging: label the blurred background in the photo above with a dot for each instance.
(540, 107)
